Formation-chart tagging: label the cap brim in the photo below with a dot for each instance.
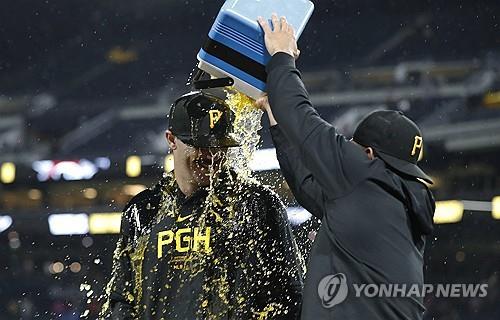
(210, 142)
(405, 167)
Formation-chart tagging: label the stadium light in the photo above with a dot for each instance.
(492, 99)
(133, 166)
(8, 172)
(495, 208)
(69, 170)
(35, 194)
(448, 212)
(56, 267)
(89, 193)
(133, 189)
(5, 223)
(105, 223)
(75, 267)
(68, 224)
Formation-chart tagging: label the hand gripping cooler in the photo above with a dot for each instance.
(235, 47)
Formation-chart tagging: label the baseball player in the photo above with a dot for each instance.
(203, 243)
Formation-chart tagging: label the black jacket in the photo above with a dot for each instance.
(374, 220)
(221, 254)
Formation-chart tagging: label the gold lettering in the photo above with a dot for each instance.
(417, 145)
(179, 239)
(198, 237)
(215, 116)
(186, 239)
(169, 237)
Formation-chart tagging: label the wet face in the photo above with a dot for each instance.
(201, 162)
(195, 165)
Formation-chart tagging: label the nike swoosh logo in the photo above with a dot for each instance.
(180, 219)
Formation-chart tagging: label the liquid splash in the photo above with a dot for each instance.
(247, 123)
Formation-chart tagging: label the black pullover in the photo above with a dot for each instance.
(226, 254)
(374, 219)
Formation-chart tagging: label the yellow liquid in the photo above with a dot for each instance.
(245, 130)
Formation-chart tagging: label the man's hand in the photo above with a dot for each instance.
(263, 104)
(281, 38)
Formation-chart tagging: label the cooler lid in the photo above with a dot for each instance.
(297, 12)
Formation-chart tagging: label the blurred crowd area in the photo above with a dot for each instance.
(84, 89)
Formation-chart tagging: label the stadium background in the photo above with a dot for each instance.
(85, 85)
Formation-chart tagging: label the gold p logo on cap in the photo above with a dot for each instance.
(417, 145)
(215, 116)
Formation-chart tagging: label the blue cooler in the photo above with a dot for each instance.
(235, 47)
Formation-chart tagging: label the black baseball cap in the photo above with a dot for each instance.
(202, 119)
(396, 140)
